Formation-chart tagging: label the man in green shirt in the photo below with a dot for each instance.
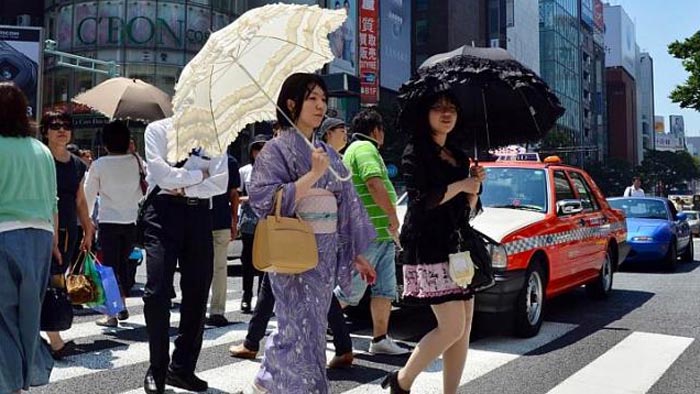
(371, 181)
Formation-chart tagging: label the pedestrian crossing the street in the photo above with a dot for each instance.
(115, 359)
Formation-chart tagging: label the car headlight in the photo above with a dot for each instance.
(499, 257)
(643, 238)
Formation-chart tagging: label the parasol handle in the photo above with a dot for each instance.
(311, 146)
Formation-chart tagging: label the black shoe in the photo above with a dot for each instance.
(245, 307)
(391, 381)
(217, 321)
(151, 384)
(187, 382)
(67, 350)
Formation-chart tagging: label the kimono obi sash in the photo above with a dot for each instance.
(320, 210)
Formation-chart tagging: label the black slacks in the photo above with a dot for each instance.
(116, 242)
(248, 271)
(263, 312)
(177, 233)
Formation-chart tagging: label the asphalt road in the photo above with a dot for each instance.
(642, 339)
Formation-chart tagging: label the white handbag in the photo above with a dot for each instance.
(461, 268)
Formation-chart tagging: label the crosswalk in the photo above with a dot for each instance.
(115, 360)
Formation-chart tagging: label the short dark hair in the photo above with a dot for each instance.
(50, 116)
(14, 121)
(366, 121)
(116, 137)
(636, 178)
(297, 87)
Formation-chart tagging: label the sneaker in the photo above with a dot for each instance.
(107, 321)
(387, 346)
(217, 321)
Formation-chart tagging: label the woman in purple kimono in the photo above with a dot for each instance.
(295, 358)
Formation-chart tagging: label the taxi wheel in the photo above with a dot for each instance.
(529, 308)
(602, 286)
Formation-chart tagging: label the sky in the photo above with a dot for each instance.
(658, 23)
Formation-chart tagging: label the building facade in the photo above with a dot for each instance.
(514, 26)
(645, 84)
(622, 115)
(621, 54)
(441, 26)
(560, 65)
(593, 107)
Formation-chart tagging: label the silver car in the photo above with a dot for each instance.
(694, 221)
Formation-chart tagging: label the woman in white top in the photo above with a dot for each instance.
(116, 178)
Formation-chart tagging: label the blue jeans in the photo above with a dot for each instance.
(381, 255)
(25, 257)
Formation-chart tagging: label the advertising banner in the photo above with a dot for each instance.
(629, 44)
(659, 126)
(598, 19)
(587, 12)
(369, 51)
(344, 40)
(676, 125)
(396, 43)
(21, 54)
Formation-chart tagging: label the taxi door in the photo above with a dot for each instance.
(565, 249)
(592, 219)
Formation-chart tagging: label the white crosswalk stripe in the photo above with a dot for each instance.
(637, 361)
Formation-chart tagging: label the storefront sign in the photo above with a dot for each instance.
(369, 51)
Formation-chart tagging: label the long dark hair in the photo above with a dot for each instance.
(297, 87)
(14, 121)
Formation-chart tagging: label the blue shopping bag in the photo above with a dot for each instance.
(113, 303)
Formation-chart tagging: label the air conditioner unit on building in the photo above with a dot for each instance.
(24, 20)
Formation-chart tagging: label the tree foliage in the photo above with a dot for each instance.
(687, 95)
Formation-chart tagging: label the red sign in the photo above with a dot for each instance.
(598, 15)
(369, 51)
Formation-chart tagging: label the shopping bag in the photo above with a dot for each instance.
(113, 303)
(90, 269)
(80, 285)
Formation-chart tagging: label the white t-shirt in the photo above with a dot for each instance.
(116, 180)
(632, 192)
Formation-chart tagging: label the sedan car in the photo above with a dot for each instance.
(693, 221)
(655, 230)
(554, 231)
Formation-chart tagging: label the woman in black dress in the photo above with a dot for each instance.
(442, 194)
(72, 205)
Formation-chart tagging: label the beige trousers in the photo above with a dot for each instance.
(217, 304)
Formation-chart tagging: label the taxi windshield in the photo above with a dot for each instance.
(515, 188)
(640, 208)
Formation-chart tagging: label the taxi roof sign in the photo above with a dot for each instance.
(525, 156)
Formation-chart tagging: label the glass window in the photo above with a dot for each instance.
(515, 188)
(588, 200)
(641, 208)
(562, 188)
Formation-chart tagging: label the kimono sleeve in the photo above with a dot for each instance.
(270, 173)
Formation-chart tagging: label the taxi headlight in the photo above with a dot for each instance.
(499, 257)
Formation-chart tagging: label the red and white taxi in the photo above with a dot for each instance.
(556, 233)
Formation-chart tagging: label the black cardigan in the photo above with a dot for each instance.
(430, 231)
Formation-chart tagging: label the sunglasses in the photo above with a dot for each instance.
(59, 125)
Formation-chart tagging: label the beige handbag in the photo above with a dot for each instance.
(284, 245)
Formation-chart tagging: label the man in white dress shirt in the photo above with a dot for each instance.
(178, 232)
(636, 189)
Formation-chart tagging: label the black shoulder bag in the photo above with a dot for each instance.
(140, 218)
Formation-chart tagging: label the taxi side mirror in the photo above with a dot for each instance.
(569, 207)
